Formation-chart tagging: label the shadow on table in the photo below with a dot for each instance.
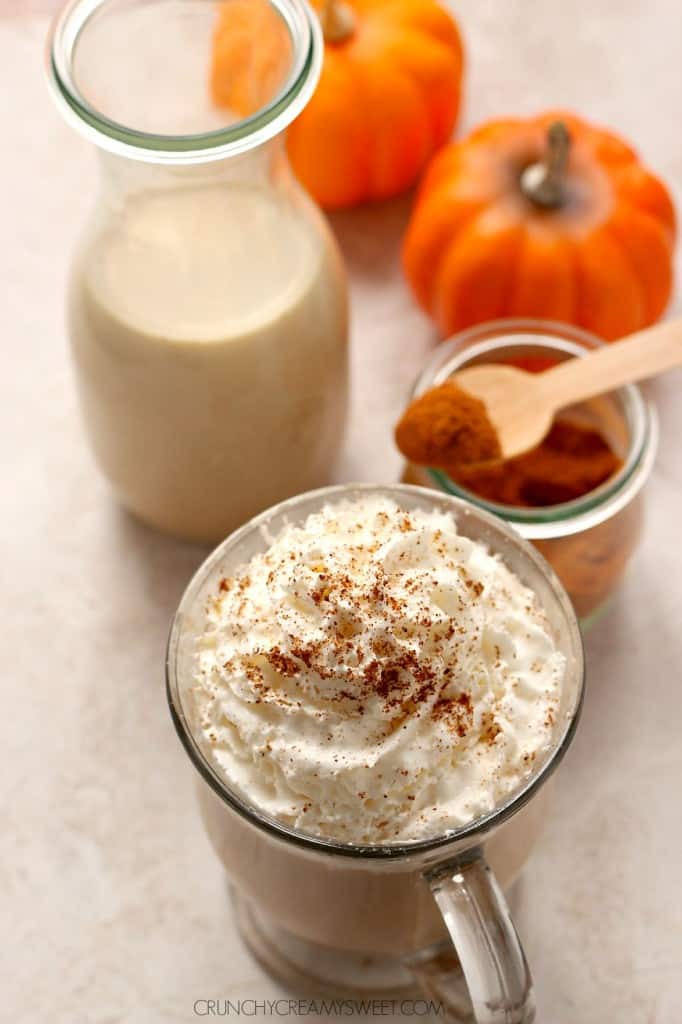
(161, 565)
(370, 237)
(602, 641)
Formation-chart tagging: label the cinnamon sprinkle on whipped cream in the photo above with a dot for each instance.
(375, 676)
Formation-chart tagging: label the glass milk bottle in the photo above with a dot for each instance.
(207, 306)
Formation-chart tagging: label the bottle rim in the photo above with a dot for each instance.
(66, 32)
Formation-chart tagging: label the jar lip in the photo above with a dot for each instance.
(571, 516)
(181, 149)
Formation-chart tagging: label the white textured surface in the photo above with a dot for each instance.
(113, 908)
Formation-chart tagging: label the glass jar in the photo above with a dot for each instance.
(588, 541)
(207, 306)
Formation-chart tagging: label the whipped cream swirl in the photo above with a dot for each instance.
(375, 676)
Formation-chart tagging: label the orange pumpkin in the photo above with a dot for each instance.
(548, 217)
(251, 55)
(388, 96)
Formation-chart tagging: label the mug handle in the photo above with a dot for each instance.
(485, 940)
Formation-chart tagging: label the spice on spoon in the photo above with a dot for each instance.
(446, 427)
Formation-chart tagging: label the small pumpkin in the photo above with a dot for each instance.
(251, 54)
(548, 217)
(388, 96)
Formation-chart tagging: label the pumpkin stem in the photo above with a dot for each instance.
(338, 21)
(543, 182)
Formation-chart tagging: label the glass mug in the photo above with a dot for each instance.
(207, 306)
(346, 918)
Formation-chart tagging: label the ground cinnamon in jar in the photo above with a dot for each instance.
(574, 459)
(448, 429)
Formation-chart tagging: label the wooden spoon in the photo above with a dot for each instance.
(522, 405)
